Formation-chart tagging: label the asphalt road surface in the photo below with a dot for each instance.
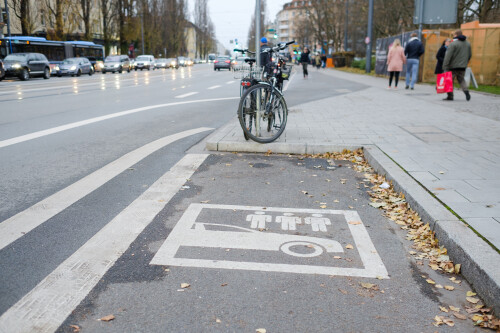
(110, 206)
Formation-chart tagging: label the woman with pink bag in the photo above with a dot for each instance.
(395, 60)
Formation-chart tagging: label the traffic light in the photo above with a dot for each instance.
(275, 36)
(294, 51)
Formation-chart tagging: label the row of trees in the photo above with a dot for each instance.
(329, 20)
(156, 25)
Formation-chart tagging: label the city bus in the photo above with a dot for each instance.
(55, 51)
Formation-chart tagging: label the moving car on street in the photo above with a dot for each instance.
(172, 63)
(182, 61)
(75, 66)
(222, 62)
(116, 63)
(161, 63)
(26, 65)
(145, 62)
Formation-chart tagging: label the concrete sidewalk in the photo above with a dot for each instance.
(451, 148)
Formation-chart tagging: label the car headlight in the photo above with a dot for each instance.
(174, 63)
(16, 66)
(56, 68)
(73, 68)
(116, 65)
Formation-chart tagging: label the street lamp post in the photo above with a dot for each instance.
(8, 26)
(369, 38)
(346, 23)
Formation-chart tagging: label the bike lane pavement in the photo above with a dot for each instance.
(280, 242)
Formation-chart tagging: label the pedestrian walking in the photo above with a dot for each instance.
(304, 60)
(395, 60)
(317, 61)
(265, 56)
(413, 50)
(456, 59)
(440, 56)
(323, 61)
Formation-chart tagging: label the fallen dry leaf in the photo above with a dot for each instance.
(442, 308)
(107, 318)
(217, 320)
(349, 246)
(450, 288)
(367, 285)
(459, 316)
(438, 286)
(472, 300)
(337, 257)
(470, 294)
(355, 222)
(452, 308)
(223, 285)
(322, 206)
(75, 328)
(430, 281)
(343, 291)
(260, 330)
(449, 322)
(205, 201)
(185, 285)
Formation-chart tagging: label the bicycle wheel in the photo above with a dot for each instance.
(262, 113)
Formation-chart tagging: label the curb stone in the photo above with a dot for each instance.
(476, 257)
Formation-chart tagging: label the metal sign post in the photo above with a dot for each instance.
(368, 39)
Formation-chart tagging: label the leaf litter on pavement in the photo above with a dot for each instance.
(426, 245)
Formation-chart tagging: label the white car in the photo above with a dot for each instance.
(145, 62)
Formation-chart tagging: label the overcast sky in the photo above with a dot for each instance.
(232, 17)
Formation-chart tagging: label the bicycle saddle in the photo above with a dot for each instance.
(250, 60)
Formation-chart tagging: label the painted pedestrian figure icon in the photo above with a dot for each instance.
(258, 220)
(318, 222)
(288, 221)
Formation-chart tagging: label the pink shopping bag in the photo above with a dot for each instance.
(444, 83)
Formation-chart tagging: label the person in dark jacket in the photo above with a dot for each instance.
(305, 60)
(413, 50)
(265, 57)
(456, 59)
(440, 56)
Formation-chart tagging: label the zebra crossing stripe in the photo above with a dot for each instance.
(47, 305)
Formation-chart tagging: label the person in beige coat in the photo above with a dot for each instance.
(395, 60)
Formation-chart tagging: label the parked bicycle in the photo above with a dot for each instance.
(262, 110)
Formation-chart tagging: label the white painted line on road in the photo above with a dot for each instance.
(214, 87)
(229, 82)
(343, 90)
(25, 221)
(47, 305)
(187, 95)
(57, 129)
(287, 84)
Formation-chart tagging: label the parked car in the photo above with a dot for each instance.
(145, 62)
(26, 65)
(161, 63)
(116, 63)
(172, 63)
(2, 70)
(75, 66)
(222, 62)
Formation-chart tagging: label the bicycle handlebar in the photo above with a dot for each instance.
(280, 46)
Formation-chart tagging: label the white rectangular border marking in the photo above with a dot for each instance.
(373, 265)
(47, 305)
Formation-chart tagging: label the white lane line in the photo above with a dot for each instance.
(47, 305)
(229, 82)
(214, 87)
(57, 129)
(186, 95)
(25, 221)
